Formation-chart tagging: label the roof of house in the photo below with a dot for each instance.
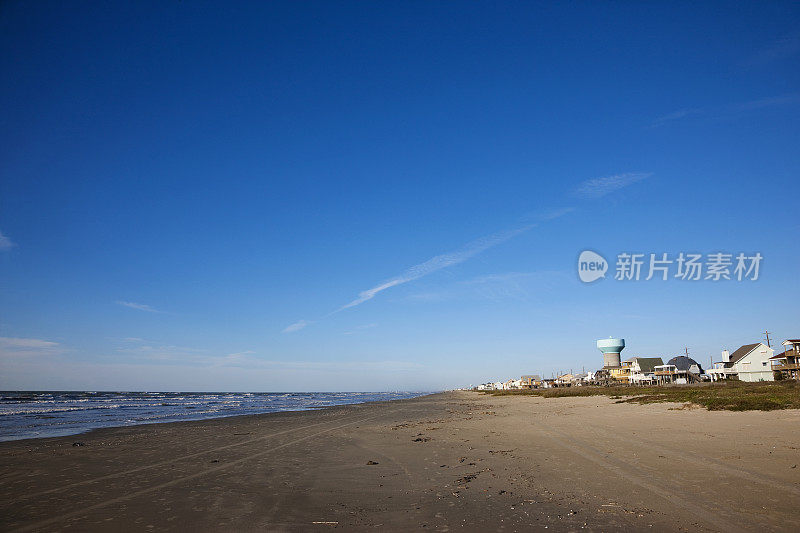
(792, 341)
(684, 363)
(648, 364)
(743, 351)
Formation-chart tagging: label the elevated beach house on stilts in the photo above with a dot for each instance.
(786, 365)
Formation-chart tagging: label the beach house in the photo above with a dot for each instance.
(511, 384)
(530, 381)
(580, 379)
(564, 380)
(548, 383)
(669, 374)
(642, 369)
(750, 362)
(786, 365)
(621, 373)
(684, 362)
(681, 370)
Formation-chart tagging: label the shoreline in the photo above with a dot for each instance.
(452, 460)
(299, 408)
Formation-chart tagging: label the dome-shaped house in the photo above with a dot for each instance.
(685, 363)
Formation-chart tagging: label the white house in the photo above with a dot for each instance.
(564, 379)
(751, 362)
(670, 374)
(513, 384)
(642, 369)
(580, 379)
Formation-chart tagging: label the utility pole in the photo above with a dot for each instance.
(767, 334)
(686, 351)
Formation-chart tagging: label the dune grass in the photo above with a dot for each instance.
(730, 396)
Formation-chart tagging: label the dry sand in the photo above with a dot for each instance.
(452, 461)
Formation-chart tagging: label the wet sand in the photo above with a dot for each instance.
(451, 461)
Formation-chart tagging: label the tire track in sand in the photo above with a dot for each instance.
(170, 461)
(37, 525)
(627, 472)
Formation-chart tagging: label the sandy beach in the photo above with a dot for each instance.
(450, 461)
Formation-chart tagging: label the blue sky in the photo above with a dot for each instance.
(393, 195)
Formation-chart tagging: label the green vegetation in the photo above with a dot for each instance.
(731, 395)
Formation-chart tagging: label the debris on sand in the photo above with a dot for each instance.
(372, 462)
(467, 478)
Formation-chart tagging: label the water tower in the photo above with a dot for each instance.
(611, 349)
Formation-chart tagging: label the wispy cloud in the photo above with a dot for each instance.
(139, 354)
(35, 344)
(439, 262)
(16, 346)
(727, 111)
(242, 358)
(240, 354)
(297, 326)
(163, 352)
(146, 354)
(782, 48)
(138, 306)
(142, 351)
(496, 287)
(599, 187)
(360, 328)
(548, 214)
(5, 242)
(769, 101)
(675, 115)
(343, 367)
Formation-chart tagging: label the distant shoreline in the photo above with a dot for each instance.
(51, 414)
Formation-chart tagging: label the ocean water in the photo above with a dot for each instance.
(26, 415)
